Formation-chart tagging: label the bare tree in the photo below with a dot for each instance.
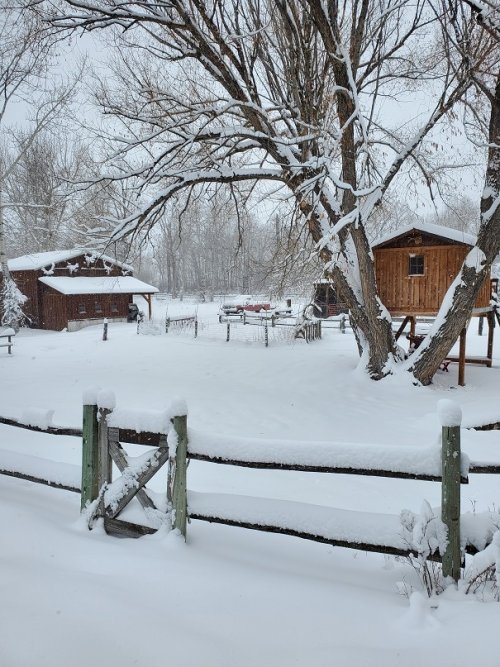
(462, 294)
(291, 92)
(25, 47)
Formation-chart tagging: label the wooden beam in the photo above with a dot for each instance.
(179, 484)
(342, 470)
(157, 459)
(90, 481)
(461, 358)
(120, 528)
(402, 327)
(39, 480)
(119, 457)
(450, 500)
(491, 334)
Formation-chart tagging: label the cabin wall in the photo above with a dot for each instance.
(60, 310)
(98, 306)
(403, 294)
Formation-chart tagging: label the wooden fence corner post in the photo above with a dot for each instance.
(179, 490)
(90, 485)
(450, 486)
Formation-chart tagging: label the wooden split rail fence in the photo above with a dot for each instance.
(102, 446)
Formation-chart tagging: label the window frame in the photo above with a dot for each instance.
(414, 259)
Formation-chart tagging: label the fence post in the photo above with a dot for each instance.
(266, 334)
(196, 328)
(90, 485)
(179, 492)
(451, 417)
(167, 324)
(228, 332)
(105, 330)
(320, 329)
(103, 458)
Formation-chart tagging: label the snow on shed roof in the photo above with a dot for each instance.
(428, 228)
(38, 260)
(100, 285)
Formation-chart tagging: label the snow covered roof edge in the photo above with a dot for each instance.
(428, 228)
(98, 285)
(38, 260)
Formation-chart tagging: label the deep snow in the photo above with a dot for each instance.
(229, 596)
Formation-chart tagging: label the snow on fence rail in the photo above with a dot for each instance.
(105, 428)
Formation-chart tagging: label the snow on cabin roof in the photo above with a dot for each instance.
(39, 260)
(100, 285)
(428, 228)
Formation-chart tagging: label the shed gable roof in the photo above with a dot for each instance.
(39, 260)
(429, 229)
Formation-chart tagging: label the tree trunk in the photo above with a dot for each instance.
(461, 297)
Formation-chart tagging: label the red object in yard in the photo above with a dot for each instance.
(256, 307)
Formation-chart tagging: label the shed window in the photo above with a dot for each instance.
(416, 265)
(98, 307)
(114, 307)
(81, 309)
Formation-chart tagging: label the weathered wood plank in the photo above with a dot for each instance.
(52, 430)
(39, 480)
(104, 474)
(120, 528)
(265, 465)
(132, 437)
(450, 499)
(120, 458)
(179, 490)
(155, 462)
(90, 478)
(360, 546)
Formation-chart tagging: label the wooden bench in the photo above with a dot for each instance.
(7, 333)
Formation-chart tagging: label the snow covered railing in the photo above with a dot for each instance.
(308, 330)
(6, 332)
(105, 427)
(182, 321)
(418, 463)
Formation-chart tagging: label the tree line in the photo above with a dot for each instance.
(294, 100)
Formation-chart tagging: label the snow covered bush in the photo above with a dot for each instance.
(425, 534)
(484, 570)
(12, 300)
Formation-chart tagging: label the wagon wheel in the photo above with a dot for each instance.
(311, 311)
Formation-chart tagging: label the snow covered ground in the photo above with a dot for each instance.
(228, 596)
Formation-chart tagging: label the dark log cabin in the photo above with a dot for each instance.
(414, 268)
(70, 289)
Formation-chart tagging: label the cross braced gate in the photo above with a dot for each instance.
(103, 447)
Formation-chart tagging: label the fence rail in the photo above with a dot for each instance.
(101, 444)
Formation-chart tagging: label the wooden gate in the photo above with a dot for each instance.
(103, 447)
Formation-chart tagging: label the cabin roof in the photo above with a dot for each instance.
(39, 260)
(99, 285)
(427, 228)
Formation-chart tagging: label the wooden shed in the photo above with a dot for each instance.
(70, 289)
(325, 301)
(414, 268)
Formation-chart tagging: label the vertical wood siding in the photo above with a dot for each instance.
(403, 294)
